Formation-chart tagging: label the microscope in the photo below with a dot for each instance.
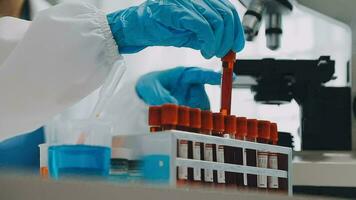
(326, 118)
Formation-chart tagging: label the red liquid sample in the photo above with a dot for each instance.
(226, 82)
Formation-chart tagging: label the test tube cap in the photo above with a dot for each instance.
(195, 118)
(252, 128)
(229, 57)
(274, 132)
(206, 120)
(264, 129)
(230, 124)
(169, 114)
(218, 122)
(154, 116)
(183, 116)
(241, 127)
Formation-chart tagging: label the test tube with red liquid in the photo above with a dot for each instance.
(229, 152)
(262, 156)
(206, 129)
(218, 150)
(240, 156)
(154, 118)
(195, 147)
(251, 155)
(273, 158)
(182, 151)
(228, 63)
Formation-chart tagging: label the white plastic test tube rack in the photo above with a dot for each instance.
(166, 143)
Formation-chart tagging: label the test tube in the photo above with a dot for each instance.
(262, 156)
(169, 117)
(240, 156)
(183, 152)
(44, 172)
(229, 152)
(218, 150)
(228, 62)
(273, 158)
(206, 128)
(195, 147)
(251, 155)
(154, 118)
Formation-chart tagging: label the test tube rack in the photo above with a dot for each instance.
(164, 143)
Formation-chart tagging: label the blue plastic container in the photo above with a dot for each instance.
(78, 160)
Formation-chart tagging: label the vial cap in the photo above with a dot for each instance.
(195, 118)
(230, 124)
(183, 116)
(252, 128)
(154, 116)
(206, 120)
(241, 127)
(264, 128)
(274, 132)
(169, 114)
(229, 57)
(218, 122)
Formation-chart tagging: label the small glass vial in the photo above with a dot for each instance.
(119, 168)
(251, 155)
(154, 118)
(218, 150)
(206, 129)
(44, 172)
(262, 157)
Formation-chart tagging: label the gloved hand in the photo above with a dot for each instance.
(180, 85)
(211, 26)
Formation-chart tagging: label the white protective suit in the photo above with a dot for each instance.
(51, 63)
(64, 55)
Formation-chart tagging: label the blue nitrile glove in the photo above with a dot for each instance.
(22, 152)
(180, 85)
(211, 26)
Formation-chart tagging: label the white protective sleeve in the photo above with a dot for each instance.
(65, 55)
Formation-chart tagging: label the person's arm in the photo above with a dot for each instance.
(65, 54)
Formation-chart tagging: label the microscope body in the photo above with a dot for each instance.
(307, 61)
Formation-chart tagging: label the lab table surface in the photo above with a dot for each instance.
(25, 186)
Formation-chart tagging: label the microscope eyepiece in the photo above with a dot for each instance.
(271, 11)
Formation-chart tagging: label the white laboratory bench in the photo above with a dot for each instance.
(24, 186)
(326, 169)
